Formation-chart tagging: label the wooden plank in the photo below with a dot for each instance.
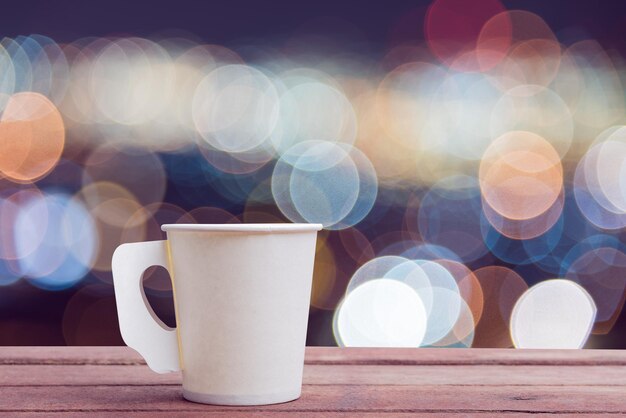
(110, 381)
(55, 375)
(459, 356)
(70, 355)
(325, 398)
(84, 375)
(267, 414)
(334, 355)
(492, 375)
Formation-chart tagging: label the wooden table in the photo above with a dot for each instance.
(114, 381)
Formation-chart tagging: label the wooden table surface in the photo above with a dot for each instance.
(114, 381)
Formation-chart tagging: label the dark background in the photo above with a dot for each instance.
(234, 21)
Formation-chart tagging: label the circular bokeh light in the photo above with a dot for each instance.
(556, 314)
(32, 137)
(521, 175)
(381, 313)
(235, 108)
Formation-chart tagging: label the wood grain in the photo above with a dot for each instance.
(334, 355)
(326, 398)
(316, 374)
(114, 381)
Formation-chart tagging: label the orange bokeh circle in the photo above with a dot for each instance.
(521, 175)
(32, 137)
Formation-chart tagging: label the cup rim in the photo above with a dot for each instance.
(269, 227)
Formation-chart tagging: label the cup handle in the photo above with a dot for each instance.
(140, 327)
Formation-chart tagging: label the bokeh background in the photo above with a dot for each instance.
(473, 148)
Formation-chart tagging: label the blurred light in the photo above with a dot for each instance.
(376, 268)
(430, 252)
(139, 171)
(573, 229)
(521, 175)
(456, 35)
(449, 216)
(115, 212)
(605, 162)
(7, 77)
(10, 211)
(600, 103)
(235, 108)
(462, 333)
(435, 286)
(7, 274)
(21, 64)
(522, 229)
(590, 198)
(237, 163)
(412, 273)
(469, 289)
(535, 109)
(601, 271)
(67, 241)
(489, 142)
(403, 101)
(131, 81)
(523, 242)
(368, 188)
(381, 313)
(50, 70)
(312, 110)
(319, 182)
(535, 54)
(443, 316)
(32, 137)
(553, 314)
(459, 117)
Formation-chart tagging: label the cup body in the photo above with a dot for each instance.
(242, 300)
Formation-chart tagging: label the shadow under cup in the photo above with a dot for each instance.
(241, 294)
